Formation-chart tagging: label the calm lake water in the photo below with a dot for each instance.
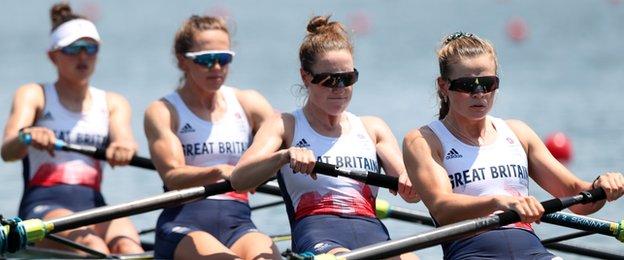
(565, 75)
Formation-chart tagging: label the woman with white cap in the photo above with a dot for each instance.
(59, 183)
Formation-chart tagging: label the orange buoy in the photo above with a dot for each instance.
(517, 29)
(559, 146)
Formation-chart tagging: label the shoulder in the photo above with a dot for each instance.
(31, 93)
(248, 97)
(372, 121)
(375, 125)
(160, 108)
(520, 128)
(30, 90)
(114, 98)
(422, 137)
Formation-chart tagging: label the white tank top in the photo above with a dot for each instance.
(327, 194)
(206, 143)
(89, 128)
(500, 168)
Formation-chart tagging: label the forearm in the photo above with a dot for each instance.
(13, 149)
(191, 176)
(451, 208)
(252, 173)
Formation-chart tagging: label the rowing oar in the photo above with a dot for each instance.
(462, 228)
(34, 230)
(588, 224)
(92, 151)
(599, 226)
(604, 227)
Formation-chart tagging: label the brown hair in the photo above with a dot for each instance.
(183, 41)
(323, 36)
(455, 47)
(61, 13)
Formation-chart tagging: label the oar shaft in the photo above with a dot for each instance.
(599, 226)
(372, 178)
(449, 232)
(170, 198)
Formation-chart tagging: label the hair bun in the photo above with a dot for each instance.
(319, 24)
(60, 13)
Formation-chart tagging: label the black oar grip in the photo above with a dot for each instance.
(381, 180)
(142, 162)
(325, 168)
(593, 195)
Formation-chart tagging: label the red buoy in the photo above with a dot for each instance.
(517, 29)
(559, 146)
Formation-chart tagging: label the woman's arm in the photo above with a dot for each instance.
(122, 144)
(166, 151)
(555, 178)
(265, 156)
(27, 102)
(422, 156)
(389, 152)
(257, 108)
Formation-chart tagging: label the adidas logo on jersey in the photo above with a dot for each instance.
(187, 129)
(453, 154)
(302, 143)
(47, 116)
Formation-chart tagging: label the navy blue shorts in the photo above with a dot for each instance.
(226, 220)
(504, 243)
(39, 201)
(319, 234)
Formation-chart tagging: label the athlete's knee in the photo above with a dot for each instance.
(125, 245)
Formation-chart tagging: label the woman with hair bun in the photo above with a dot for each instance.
(59, 183)
(327, 214)
(196, 135)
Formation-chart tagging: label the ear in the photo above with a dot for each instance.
(181, 64)
(443, 85)
(52, 57)
(305, 76)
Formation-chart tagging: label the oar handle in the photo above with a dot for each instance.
(372, 178)
(557, 204)
(94, 152)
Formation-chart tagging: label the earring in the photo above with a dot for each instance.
(445, 99)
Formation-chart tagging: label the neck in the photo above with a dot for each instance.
(474, 132)
(198, 97)
(71, 93)
(320, 120)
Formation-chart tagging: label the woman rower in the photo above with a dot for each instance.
(327, 214)
(196, 135)
(60, 183)
(469, 164)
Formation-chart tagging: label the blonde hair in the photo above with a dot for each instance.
(455, 47)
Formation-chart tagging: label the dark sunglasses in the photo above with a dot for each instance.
(473, 85)
(335, 80)
(210, 58)
(78, 46)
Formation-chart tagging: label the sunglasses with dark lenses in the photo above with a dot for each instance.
(210, 58)
(78, 46)
(473, 85)
(335, 80)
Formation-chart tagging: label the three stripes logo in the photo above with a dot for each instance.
(187, 129)
(302, 143)
(452, 154)
(47, 116)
